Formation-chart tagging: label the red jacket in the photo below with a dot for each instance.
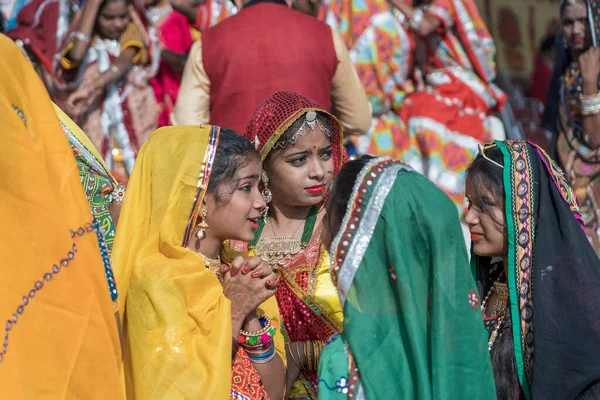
(265, 48)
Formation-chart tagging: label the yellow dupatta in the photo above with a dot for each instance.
(61, 336)
(177, 321)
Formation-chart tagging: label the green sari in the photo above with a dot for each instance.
(412, 328)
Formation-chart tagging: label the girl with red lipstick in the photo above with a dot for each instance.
(578, 144)
(302, 151)
(193, 329)
(538, 275)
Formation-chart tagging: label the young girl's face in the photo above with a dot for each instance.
(575, 26)
(112, 20)
(300, 173)
(488, 229)
(236, 215)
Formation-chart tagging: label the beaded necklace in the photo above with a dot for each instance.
(498, 313)
(278, 250)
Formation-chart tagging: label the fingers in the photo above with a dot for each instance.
(236, 264)
(224, 269)
(262, 270)
(270, 281)
(251, 264)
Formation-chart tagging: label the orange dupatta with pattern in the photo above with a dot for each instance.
(60, 336)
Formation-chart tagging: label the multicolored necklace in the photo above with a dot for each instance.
(280, 249)
(498, 312)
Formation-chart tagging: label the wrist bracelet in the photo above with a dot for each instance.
(81, 37)
(261, 337)
(590, 104)
(262, 357)
(417, 19)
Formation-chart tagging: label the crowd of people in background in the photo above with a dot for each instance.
(279, 200)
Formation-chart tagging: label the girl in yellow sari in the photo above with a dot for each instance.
(60, 334)
(301, 146)
(192, 188)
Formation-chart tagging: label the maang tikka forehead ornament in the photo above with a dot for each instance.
(309, 124)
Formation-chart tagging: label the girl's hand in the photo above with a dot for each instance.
(254, 266)
(78, 101)
(244, 291)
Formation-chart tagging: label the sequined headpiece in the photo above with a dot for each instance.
(275, 115)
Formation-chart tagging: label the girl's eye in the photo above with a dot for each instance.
(327, 154)
(469, 204)
(297, 161)
(246, 188)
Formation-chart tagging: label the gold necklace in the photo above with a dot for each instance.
(211, 264)
(278, 250)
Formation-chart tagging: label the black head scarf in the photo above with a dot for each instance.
(553, 278)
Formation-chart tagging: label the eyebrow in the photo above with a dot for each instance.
(329, 146)
(253, 176)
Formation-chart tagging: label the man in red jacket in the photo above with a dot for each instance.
(269, 47)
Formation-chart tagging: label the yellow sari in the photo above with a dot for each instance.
(61, 337)
(177, 321)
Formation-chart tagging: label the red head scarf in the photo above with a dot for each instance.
(277, 113)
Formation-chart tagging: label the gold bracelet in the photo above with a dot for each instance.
(301, 366)
(317, 355)
(292, 356)
(309, 355)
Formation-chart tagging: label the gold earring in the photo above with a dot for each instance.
(202, 224)
(266, 195)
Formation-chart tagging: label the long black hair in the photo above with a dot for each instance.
(341, 192)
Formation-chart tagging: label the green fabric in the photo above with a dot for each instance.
(514, 305)
(333, 370)
(411, 317)
(97, 185)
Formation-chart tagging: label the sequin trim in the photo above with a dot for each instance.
(375, 182)
(39, 285)
(523, 236)
(203, 179)
(110, 278)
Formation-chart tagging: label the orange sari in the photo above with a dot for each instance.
(61, 338)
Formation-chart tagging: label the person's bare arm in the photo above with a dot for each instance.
(589, 62)
(426, 26)
(85, 29)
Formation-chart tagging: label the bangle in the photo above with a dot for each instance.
(81, 37)
(263, 356)
(259, 338)
(590, 105)
(416, 20)
(308, 354)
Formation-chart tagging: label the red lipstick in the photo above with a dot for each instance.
(253, 223)
(315, 190)
(475, 236)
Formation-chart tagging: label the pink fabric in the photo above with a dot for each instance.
(174, 34)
